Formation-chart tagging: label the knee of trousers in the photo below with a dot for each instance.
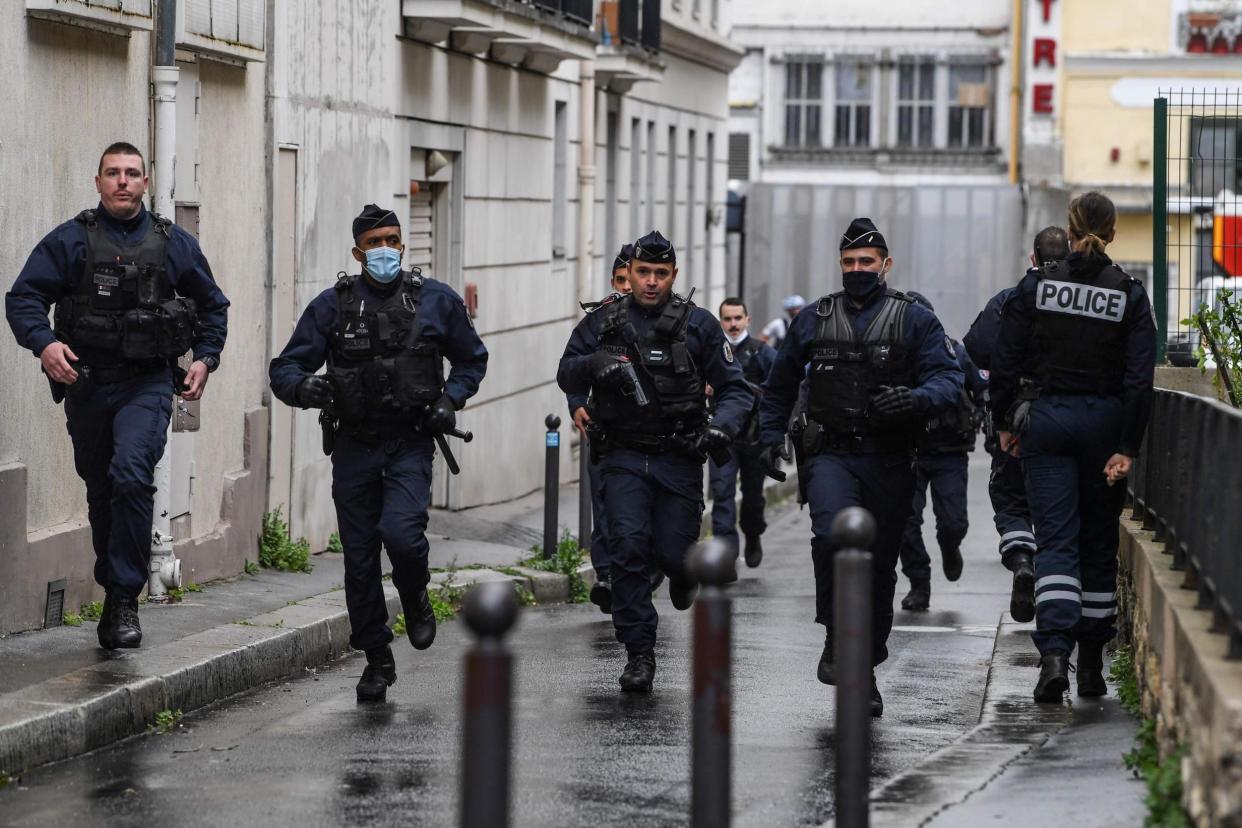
(127, 487)
(402, 539)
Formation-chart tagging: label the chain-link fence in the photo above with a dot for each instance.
(1197, 210)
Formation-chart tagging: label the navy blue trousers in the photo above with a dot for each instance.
(884, 485)
(599, 523)
(1007, 491)
(743, 463)
(118, 432)
(946, 476)
(1066, 444)
(655, 505)
(381, 491)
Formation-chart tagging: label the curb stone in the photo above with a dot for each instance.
(1010, 726)
(120, 696)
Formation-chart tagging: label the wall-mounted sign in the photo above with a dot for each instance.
(1044, 28)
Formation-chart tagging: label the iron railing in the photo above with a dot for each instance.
(582, 11)
(1185, 487)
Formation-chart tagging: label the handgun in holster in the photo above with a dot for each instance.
(597, 441)
(327, 424)
(797, 435)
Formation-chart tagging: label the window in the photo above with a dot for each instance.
(651, 178)
(804, 102)
(670, 229)
(1214, 160)
(853, 108)
(916, 102)
(636, 173)
(560, 197)
(970, 102)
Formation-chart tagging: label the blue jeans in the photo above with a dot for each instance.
(381, 490)
(118, 432)
(1066, 444)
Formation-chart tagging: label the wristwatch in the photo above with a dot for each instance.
(211, 362)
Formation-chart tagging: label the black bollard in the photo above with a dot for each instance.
(853, 531)
(490, 610)
(584, 493)
(712, 563)
(551, 483)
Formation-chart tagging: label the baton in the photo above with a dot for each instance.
(449, 459)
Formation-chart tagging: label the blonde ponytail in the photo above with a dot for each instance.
(1092, 221)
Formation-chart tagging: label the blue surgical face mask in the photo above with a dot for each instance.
(861, 284)
(383, 263)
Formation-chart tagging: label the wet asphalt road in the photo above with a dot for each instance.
(303, 753)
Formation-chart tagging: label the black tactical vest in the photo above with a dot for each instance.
(847, 371)
(1077, 342)
(674, 387)
(381, 369)
(950, 431)
(748, 358)
(124, 309)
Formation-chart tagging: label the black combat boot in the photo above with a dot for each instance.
(1022, 598)
(918, 599)
(877, 701)
(1053, 677)
(420, 622)
(118, 623)
(827, 672)
(379, 674)
(754, 551)
(601, 596)
(639, 672)
(682, 591)
(951, 561)
(1090, 676)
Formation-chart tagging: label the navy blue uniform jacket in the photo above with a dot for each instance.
(980, 340)
(1140, 352)
(442, 319)
(935, 363)
(58, 262)
(708, 348)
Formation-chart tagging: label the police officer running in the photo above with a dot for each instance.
(1006, 488)
(879, 363)
(1072, 393)
(645, 360)
(384, 335)
(941, 464)
(601, 590)
(133, 292)
(756, 359)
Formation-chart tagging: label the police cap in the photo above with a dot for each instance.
(623, 258)
(372, 217)
(862, 233)
(656, 249)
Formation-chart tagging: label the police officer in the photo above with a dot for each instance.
(601, 590)
(133, 292)
(879, 363)
(384, 335)
(756, 359)
(941, 464)
(1006, 488)
(646, 359)
(1072, 393)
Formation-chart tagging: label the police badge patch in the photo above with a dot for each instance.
(728, 353)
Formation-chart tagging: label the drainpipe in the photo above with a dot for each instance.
(586, 181)
(165, 569)
(1015, 92)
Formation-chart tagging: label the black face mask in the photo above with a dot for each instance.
(861, 285)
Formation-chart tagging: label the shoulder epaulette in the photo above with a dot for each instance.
(344, 281)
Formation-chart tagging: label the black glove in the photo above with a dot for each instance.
(893, 402)
(712, 440)
(314, 392)
(770, 461)
(442, 416)
(609, 371)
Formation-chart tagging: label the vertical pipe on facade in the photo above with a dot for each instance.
(164, 568)
(1015, 92)
(586, 179)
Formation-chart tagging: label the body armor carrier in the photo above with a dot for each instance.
(752, 371)
(847, 371)
(124, 309)
(674, 387)
(951, 431)
(1077, 342)
(381, 369)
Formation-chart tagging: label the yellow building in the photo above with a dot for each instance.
(1106, 62)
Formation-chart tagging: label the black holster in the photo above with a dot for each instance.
(327, 423)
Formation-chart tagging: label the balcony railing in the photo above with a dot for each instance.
(579, 10)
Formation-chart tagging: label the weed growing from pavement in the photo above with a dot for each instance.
(277, 549)
(250, 567)
(71, 619)
(334, 543)
(525, 597)
(445, 603)
(91, 611)
(166, 721)
(1162, 776)
(565, 561)
(178, 593)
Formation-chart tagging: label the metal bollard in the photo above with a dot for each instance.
(713, 564)
(853, 531)
(585, 513)
(551, 483)
(490, 610)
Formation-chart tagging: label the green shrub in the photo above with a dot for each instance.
(334, 543)
(277, 550)
(565, 561)
(71, 619)
(91, 611)
(1221, 330)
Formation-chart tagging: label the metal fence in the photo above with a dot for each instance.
(1185, 487)
(1197, 214)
